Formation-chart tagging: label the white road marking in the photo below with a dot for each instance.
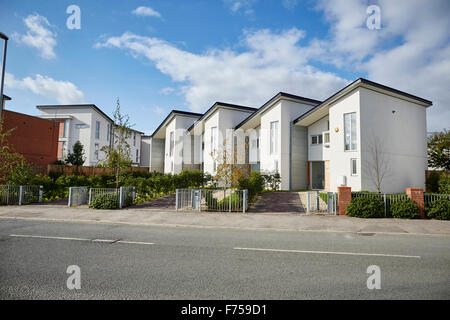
(135, 242)
(331, 252)
(81, 239)
(47, 237)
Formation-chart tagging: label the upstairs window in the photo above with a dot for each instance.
(134, 139)
(172, 143)
(108, 131)
(213, 139)
(350, 131)
(316, 139)
(97, 129)
(274, 137)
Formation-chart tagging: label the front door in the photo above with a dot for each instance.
(318, 175)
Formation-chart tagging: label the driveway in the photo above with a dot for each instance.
(278, 202)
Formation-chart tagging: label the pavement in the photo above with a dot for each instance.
(155, 262)
(249, 221)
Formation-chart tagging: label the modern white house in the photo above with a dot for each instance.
(92, 127)
(213, 135)
(367, 136)
(365, 133)
(170, 146)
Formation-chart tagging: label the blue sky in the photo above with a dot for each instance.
(188, 54)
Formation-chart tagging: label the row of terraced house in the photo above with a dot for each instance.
(361, 133)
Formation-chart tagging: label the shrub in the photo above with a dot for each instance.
(254, 183)
(433, 182)
(105, 201)
(211, 202)
(405, 209)
(272, 180)
(363, 207)
(444, 184)
(236, 202)
(439, 209)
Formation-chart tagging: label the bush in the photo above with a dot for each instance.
(363, 207)
(105, 201)
(405, 209)
(433, 182)
(236, 202)
(439, 209)
(211, 202)
(254, 183)
(272, 180)
(444, 184)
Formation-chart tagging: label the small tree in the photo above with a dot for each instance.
(77, 157)
(227, 173)
(377, 164)
(10, 160)
(118, 154)
(439, 150)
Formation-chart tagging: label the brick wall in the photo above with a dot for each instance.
(344, 198)
(35, 138)
(416, 195)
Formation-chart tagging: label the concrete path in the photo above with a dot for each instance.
(248, 221)
(278, 202)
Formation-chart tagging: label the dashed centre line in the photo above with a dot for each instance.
(111, 241)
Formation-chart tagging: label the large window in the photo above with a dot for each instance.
(274, 137)
(96, 151)
(213, 139)
(137, 155)
(350, 131)
(134, 139)
(353, 167)
(97, 129)
(172, 143)
(108, 131)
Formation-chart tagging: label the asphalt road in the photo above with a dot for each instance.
(192, 263)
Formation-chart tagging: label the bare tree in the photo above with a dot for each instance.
(377, 165)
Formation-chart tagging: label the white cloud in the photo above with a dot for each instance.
(244, 6)
(411, 52)
(166, 91)
(146, 12)
(38, 36)
(271, 62)
(64, 92)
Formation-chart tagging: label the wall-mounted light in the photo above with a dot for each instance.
(336, 129)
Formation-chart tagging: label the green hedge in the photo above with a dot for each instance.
(105, 201)
(405, 209)
(439, 209)
(254, 183)
(363, 207)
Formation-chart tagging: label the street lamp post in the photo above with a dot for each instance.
(4, 37)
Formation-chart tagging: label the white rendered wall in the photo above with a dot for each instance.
(400, 125)
(339, 158)
(318, 152)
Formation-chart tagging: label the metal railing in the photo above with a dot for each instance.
(124, 196)
(78, 196)
(220, 200)
(431, 197)
(387, 199)
(19, 195)
(318, 202)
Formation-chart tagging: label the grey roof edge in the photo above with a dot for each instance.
(273, 99)
(365, 81)
(89, 105)
(181, 112)
(224, 104)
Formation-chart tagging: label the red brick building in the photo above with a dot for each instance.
(35, 138)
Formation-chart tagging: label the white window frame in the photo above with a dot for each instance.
(96, 152)
(66, 129)
(353, 139)
(353, 166)
(319, 139)
(274, 127)
(171, 143)
(97, 129)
